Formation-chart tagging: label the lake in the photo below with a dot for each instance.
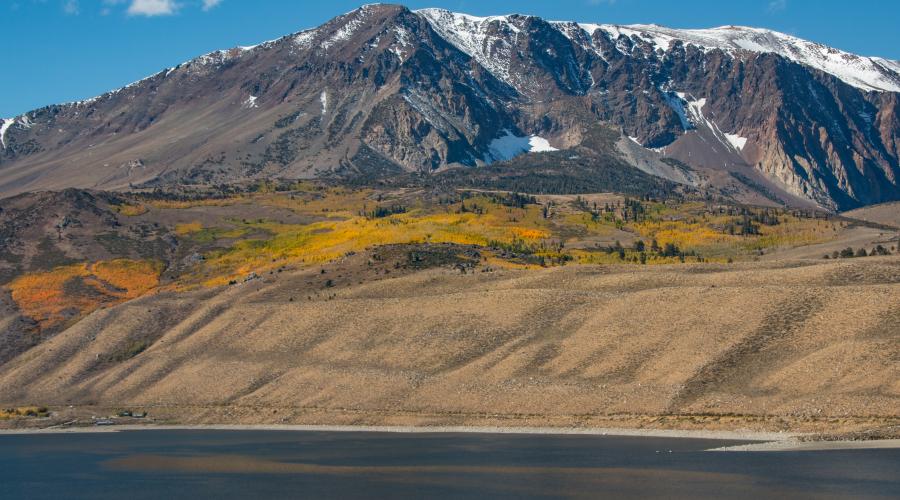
(310, 464)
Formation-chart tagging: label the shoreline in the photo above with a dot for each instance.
(775, 446)
(748, 435)
(757, 441)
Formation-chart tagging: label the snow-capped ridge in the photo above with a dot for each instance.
(216, 57)
(476, 37)
(438, 13)
(867, 73)
(347, 30)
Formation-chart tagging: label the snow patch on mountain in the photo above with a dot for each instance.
(616, 31)
(539, 145)
(402, 38)
(304, 39)
(694, 108)
(581, 34)
(25, 122)
(887, 64)
(323, 98)
(5, 123)
(349, 28)
(250, 102)
(736, 141)
(510, 145)
(676, 102)
(215, 58)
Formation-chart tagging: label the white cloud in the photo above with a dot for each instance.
(209, 4)
(152, 7)
(71, 7)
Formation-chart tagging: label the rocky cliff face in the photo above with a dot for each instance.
(396, 90)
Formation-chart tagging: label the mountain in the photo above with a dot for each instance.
(383, 90)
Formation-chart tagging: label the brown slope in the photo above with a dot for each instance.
(887, 214)
(776, 342)
(298, 107)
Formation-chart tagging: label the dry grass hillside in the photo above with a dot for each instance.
(403, 337)
(311, 303)
(887, 214)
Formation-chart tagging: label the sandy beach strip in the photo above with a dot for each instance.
(762, 441)
(792, 445)
(663, 433)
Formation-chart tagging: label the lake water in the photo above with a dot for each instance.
(293, 464)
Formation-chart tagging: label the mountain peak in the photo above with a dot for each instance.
(382, 89)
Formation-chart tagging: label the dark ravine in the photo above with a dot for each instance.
(384, 90)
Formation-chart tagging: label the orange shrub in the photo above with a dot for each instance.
(52, 297)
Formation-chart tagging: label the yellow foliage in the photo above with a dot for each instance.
(206, 202)
(793, 232)
(188, 228)
(136, 277)
(685, 235)
(603, 226)
(23, 411)
(632, 257)
(530, 234)
(476, 221)
(324, 241)
(705, 234)
(131, 210)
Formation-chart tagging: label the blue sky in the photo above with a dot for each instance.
(62, 50)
